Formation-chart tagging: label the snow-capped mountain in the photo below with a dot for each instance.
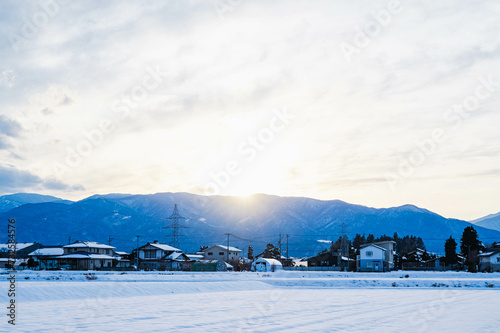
(256, 221)
(491, 221)
(8, 202)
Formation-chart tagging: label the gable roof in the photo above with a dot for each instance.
(375, 246)
(164, 247)
(489, 253)
(19, 246)
(231, 248)
(89, 244)
(48, 251)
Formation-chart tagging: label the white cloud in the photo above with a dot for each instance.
(355, 120)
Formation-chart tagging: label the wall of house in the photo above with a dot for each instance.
(490, 263)
(217, 253)
(378, 254)
(88, 250)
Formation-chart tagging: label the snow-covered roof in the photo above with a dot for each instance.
(195, 256)
(88, 244)
(175, 256)
(83, 255)
(122, 253)
(164, 247)
(489, 253)
(231, 248)
(48, 251)
(19, 246)
(269, 261)
(376, 246)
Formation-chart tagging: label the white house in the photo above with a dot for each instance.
(220, 252)
(85, 255)
(158, 256)
(372, 259)
(490, 260)
(266, 265)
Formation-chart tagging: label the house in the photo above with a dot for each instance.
(86, 255)
(489, 260)
(22, 249)
(220, 252)
(328, 259)
(47, 257)
(389, 253)
(266, 265)
(372, 258)
(158, 256)
(122, 261)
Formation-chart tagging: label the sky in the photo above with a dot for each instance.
(378, 103)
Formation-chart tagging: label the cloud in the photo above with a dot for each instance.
(4, 144)
(13, 179)
(9, 127)
(7, 78)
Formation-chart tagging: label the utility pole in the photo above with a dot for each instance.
(287, 256)
(69, 240)
(344, 245)
(280, 245)
(110, 240)
(137, 253)
(228, 234)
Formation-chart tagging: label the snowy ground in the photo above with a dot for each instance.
(251, 302)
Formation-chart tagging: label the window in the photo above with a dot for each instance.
(498, 259)
(107, 251)
(369, 264)
(149, 254)
(369, 253)
(221, 253)
(210, 253)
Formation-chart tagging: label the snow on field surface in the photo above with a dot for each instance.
(255, 302)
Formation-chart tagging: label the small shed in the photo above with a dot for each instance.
(266, 265)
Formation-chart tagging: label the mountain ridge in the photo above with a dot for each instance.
(256, 220)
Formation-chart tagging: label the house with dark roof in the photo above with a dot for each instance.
(158, 256)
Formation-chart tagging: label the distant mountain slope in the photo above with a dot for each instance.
(255, 221)
(8, 202)
(491, 221)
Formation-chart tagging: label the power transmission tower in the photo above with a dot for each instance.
(174, 236)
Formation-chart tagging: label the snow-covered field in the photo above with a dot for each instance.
(254, 302)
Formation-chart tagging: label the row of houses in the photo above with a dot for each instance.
(89, 255)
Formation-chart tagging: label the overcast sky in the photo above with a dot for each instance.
(378, 103)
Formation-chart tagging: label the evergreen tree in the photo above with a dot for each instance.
(271, 251)
(250, 252)
(470, 246)
(370, 239)
(469, 241)
(450, 249)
